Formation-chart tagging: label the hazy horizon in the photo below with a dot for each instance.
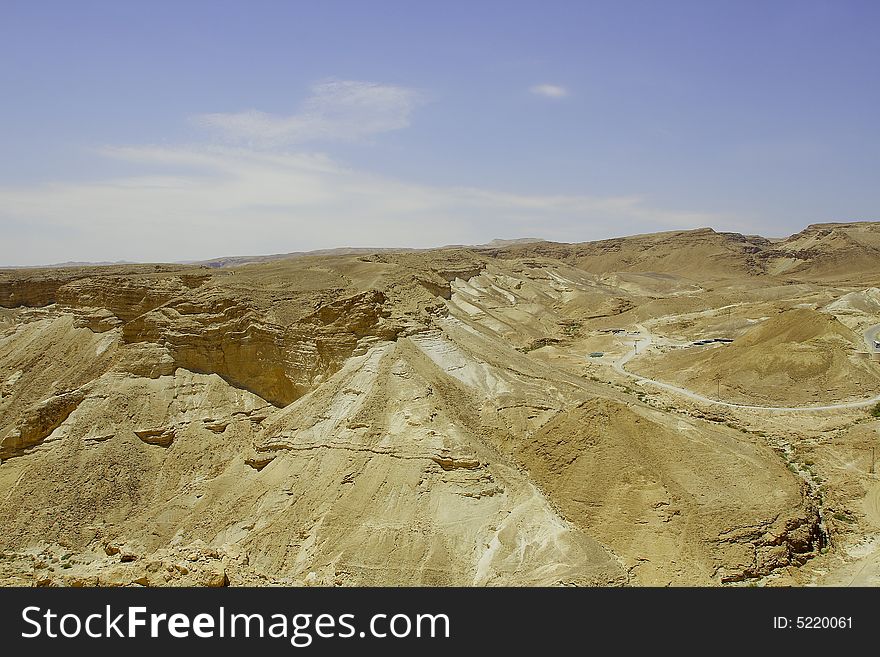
(166, 133)
(374, 247)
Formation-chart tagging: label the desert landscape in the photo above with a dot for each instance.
(688, 408)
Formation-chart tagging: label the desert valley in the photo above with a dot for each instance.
(680, 408)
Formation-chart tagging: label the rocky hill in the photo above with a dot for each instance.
(412, 417)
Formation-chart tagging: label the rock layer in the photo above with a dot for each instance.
(398, 418)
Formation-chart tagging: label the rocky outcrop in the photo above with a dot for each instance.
(227, 336)
(162, 436)
(220, 335)
(170, 321)
(589, 457)
(758, 550)
(129, 289)
(192, 565)
(124, 297)
(30, 291)
(97, 320)
(38, 422)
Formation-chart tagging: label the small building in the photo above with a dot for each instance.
(597, 354)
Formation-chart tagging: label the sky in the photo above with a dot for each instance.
(170, 131)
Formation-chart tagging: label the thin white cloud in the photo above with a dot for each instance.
(345, 110)
(549, 90)
(245, 201)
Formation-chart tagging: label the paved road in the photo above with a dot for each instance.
(645, 339)
(871, 335)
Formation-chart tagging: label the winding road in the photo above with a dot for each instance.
(645, 340)
(871, 335)
(865, 569)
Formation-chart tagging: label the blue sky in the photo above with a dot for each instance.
(161, 131)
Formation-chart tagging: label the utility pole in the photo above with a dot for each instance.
(872, 461)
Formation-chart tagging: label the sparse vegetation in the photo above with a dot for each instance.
(537, 344)
(571, 329)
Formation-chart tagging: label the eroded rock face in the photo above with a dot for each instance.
(15, 292)
(123, 297)
(637, 483)
(38, 422)
(232, 339)
(222, 336)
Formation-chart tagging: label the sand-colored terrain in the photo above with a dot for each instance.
(516, 414)
(809, 354)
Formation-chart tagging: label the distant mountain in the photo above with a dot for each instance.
(690, 253)
(237, 261)
(835, 250)
(76, 263)
(501, 243)
(830, 250)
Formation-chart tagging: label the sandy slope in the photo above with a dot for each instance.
(424, 417)
(802, 356)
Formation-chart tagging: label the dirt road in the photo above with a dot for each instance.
(645, 339)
